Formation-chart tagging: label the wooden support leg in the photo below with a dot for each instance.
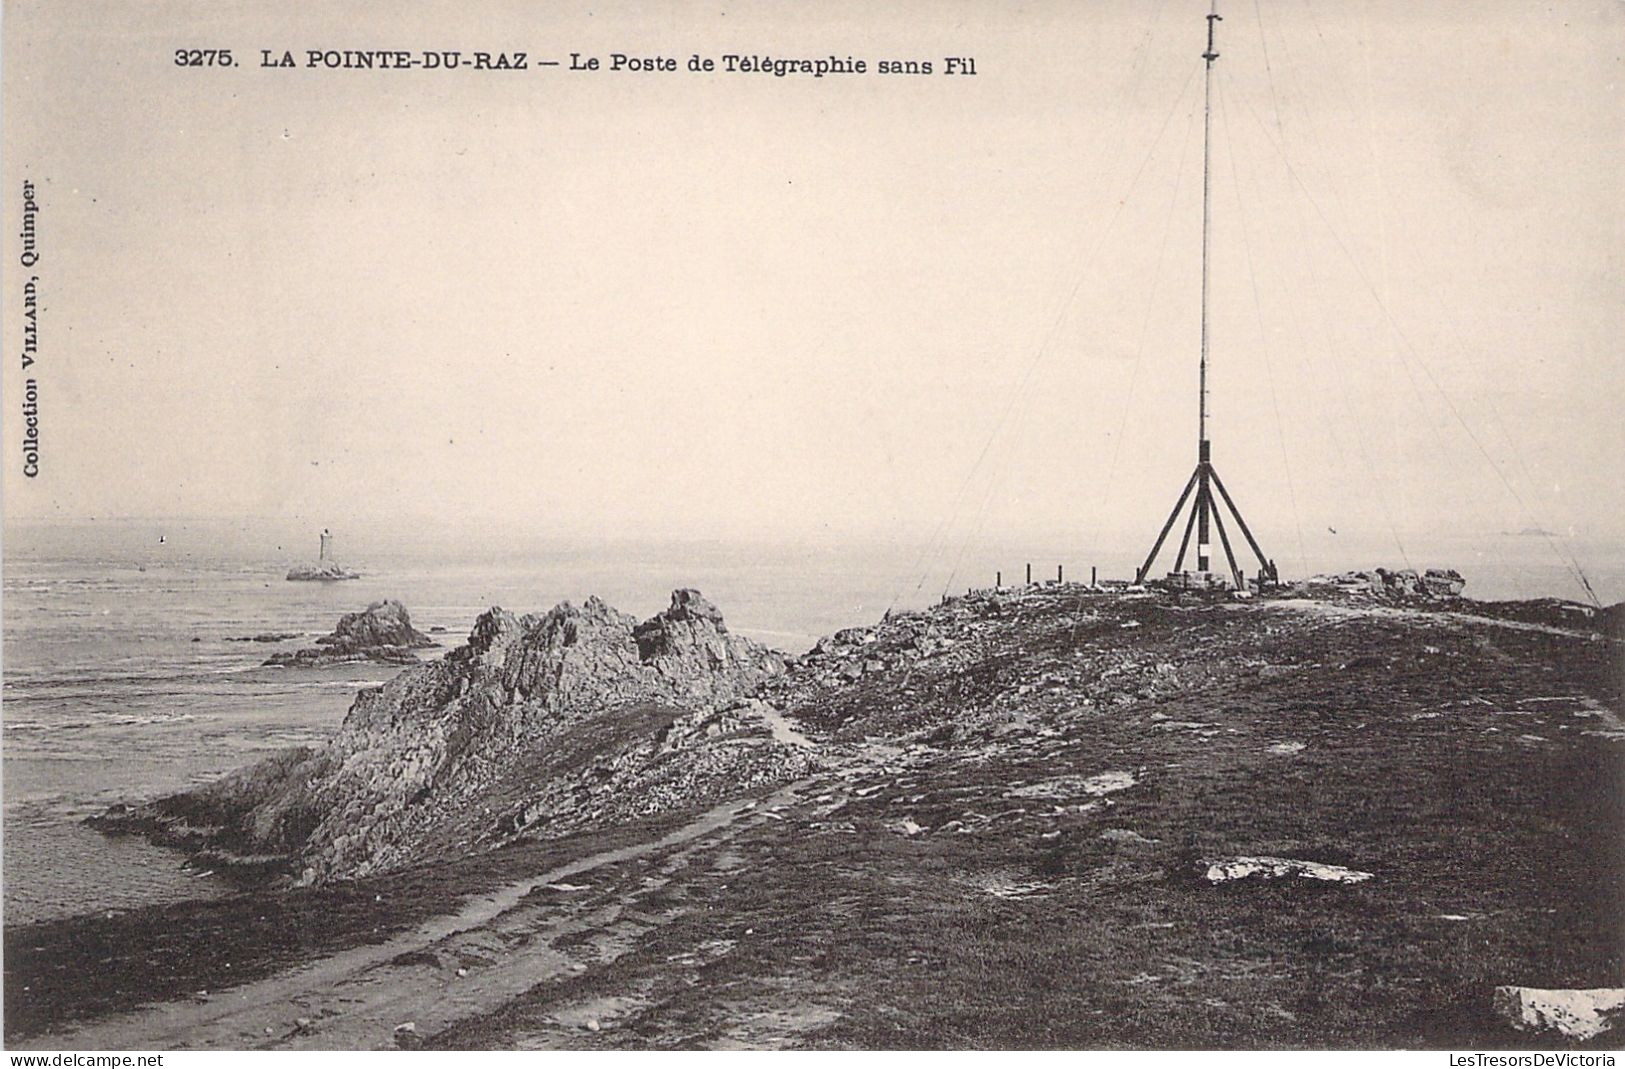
(1184, 543)
(1263, 561)
(1224, 539)
(1172, 516)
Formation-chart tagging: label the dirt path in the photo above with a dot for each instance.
(449, 968)
(780, 726)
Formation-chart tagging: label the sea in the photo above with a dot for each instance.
(126, 677)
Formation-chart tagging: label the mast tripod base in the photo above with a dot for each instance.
(1189, 580)
(1205, 514)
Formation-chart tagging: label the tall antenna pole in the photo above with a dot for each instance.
(1207, 200)
(1204, 499)
(1205, 508)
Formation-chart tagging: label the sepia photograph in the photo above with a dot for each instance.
(1084, 525)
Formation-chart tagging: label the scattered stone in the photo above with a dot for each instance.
(906, 826)
(420, 956)
(1579, 1013)
(1107, 782)
(1127, 837)
(1001, 888)
(1273, 868)
(1437, 583)
(1613, 728)
(592, 1024)
(1286, 749)
(1443, 582)
(1068, 786)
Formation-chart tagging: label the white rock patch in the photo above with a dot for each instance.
(1275, 868)
(1069, 786)
(1582, 1013)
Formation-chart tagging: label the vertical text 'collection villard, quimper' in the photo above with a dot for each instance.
(29, 259)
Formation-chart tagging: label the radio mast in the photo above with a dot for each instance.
(1205, 479)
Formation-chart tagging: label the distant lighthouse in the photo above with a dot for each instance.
(325, 568)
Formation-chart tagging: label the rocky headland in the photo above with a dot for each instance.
(1366, 811)
(381, 633)
(539, 723)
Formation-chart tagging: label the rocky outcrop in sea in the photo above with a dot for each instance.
(382, 633)
(320, 571)
(537, 725)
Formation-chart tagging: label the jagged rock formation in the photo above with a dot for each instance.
(381, 632)
(538, 725)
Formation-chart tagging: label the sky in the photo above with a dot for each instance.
(905, 307)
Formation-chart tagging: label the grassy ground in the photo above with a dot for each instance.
(960, 876)
(1421, 764)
